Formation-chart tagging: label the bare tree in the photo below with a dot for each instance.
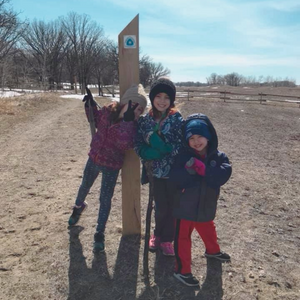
(145, 70)
(10, 30)
(111, 72)
(83, 35)
(151, 71)
(46, 42)
(158, 70)
(212, 79)
(233, 79)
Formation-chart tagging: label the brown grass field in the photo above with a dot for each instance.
(43, 149)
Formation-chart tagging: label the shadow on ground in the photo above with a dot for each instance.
(167, 287)
(96, 282)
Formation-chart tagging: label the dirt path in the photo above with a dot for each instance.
(37, 159)
(43, 153)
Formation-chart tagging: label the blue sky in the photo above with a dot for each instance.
(194, 38)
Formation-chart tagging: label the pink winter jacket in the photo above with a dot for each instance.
(110, 142)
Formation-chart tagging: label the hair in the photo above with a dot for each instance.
(157, 114)
(116, 108)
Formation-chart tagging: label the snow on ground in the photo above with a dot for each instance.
(116, 98)
(79, 96)
(6, 94)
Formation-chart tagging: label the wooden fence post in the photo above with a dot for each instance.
(129, 74)
(260, 101)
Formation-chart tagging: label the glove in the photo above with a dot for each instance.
(157, 142)
(129, 114)
(194, 166)
(87, 101)
(149, 153)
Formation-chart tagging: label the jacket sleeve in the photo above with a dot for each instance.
(96, 113)
(176, 137)
(218, 171)
(141, 147)
(139, 142)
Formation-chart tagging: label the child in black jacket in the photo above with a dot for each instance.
(198, 173)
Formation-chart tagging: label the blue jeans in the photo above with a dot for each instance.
(109, 179)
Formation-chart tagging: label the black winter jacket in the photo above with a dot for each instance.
(196, 196)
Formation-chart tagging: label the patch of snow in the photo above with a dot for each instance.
(76, 96)
(292, 101)
(6, 94)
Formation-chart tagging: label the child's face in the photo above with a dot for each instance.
(138, 111)
(198, 143)
(161, 102)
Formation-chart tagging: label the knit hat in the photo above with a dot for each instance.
(136, 94)
(196, 126)
(163, 85)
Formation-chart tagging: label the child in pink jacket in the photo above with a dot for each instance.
(116, 129)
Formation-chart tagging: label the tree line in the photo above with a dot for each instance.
(72, 49)
(235, 79)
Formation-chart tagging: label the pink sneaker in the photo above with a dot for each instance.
(167, 249)
(154, 243)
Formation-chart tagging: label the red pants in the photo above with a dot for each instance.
(183, 242)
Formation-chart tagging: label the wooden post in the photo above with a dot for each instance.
(260, 100)
(129, 74)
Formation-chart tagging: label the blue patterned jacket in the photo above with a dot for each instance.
(171, 132)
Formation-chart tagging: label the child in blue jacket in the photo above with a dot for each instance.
(198, 173)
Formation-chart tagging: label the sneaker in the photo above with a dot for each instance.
(154, 243)
(167, 249)
(220, 256)
(77, 211)
(99, 245)
(187, 279)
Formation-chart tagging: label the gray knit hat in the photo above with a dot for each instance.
(136, 94)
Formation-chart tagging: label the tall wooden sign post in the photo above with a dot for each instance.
(129, 74)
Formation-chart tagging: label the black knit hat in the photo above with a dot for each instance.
(163, 85)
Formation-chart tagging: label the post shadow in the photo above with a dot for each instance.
(126, 268)
(86, 283)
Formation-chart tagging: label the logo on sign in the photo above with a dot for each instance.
(129, 41)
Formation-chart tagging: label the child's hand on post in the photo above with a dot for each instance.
(194, 166)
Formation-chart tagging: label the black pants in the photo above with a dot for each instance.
(163, 191)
